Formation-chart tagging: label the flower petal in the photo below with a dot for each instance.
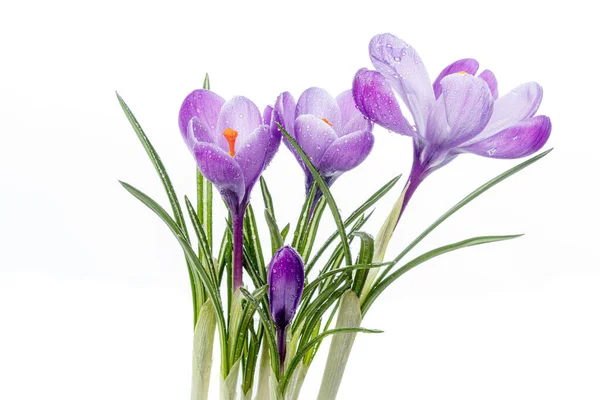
(318, 102)
(239, 114)
(252, 157)
(375, 99)
(314, 136)
(490, 78)
(267, 115)
(285, 112)
(403, 69)
(461, 112)
(521, 103)
(203, 104)
(468, 65)
(352, 119)
(520, 140)
(346, 152)
(222, 170)
(198, 132)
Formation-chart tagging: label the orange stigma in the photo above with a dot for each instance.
(326, 121)
(230, 136)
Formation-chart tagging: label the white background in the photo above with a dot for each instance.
(94, 297)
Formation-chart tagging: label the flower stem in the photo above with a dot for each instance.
(281, 347)
(238, 250)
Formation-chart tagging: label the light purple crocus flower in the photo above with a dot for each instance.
(232, 144)
(458, 113)
(331, 131)
(285, 277)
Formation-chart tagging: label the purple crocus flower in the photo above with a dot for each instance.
(458, 113)
(332, 132)
(286, 281)
(232, 145)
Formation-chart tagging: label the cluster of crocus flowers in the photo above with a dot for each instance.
(285, 277)
(332, 132)
(458, 113)
(232, 144)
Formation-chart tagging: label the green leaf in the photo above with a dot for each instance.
(244, 323)
(381, 286)
(212, 291)
(269, 332)
(285, 231)
(326, 194)
(308, 346)
(310, 234)
(252, 242)
(356, 214)
(158, 165)
(472, 196)
(304, 216)
(276, 239)
(202, 241)
(367, 247)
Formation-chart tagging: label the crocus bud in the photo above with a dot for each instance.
(286, 281)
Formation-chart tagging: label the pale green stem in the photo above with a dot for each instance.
(349, 316)
(204, 336)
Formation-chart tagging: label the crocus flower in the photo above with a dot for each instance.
(458, 113)
(332, 132)
(286, 281)
(232, 146)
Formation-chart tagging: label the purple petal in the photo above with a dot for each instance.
(198, 132)
(347, 152)
(461, 112)
(490, 78)
(252, 156)
(520, 140)
(241, 115)
(352, 119)
(468, 65)
(267, 115)
(403, 69)
(285, 112)
(285, 277)
(318, 102)
(314, 136)
(375, 99)
(221, 169)
(521, 103)
(203, 104)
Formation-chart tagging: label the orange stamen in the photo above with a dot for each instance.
(230, 136)
(326, 121)
(462, 73)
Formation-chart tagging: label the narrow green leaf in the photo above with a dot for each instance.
(276, 239)
(285, 231)
(212, 291)
(252, 241)
(202, 241)
(269, 332)
(310, 235)
(304, 216)
(300, 354)
(380, 287)
(472, 196)
(158, 165)
(326, 194)
(367, 248)
(357, 213)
